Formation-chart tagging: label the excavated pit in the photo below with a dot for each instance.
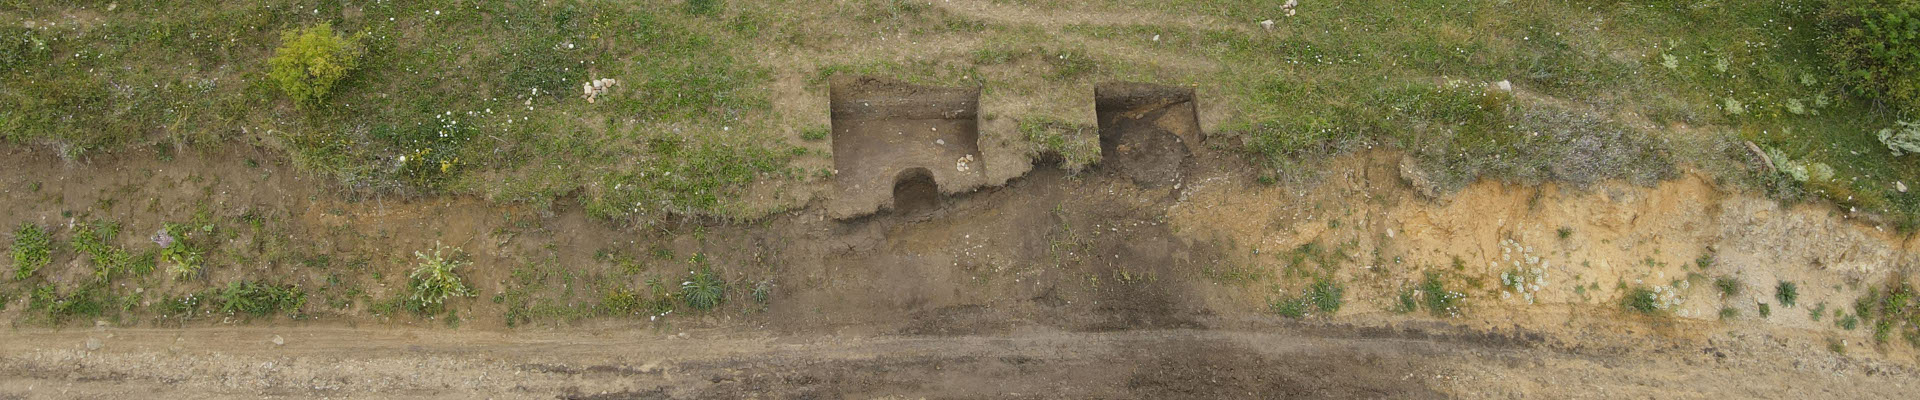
(892, 138)
(1146, 131)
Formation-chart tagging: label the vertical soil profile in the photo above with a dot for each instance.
(1146, 131)
(884, 128)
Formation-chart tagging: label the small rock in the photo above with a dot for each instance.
(1267, 24)
(1421, 182)
(1289, 6)
(1900, 186)
(1503, 85)
(94, 344)
(279, 341)
(1156, 38)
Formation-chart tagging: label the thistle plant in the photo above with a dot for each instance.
(434, 280)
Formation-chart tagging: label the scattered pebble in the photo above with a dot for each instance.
(593, 89)
(279, 341)
(94, 344)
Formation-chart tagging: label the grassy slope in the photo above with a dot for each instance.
(694, 123)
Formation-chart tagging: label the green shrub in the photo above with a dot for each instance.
(1875, 46)
(311, 61)
(32, 249)
(1787, 293)
(1645, 301)
(434, 280)
(175, 248)
(704, 290)
(95, 239)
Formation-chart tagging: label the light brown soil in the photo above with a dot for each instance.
(1053, 286)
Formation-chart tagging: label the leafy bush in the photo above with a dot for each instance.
(1875, 46)
(434, 280)
(1902, 138)
(311, 61)
(704, 290)
(175, 249)
(95, 239)
(32, 249)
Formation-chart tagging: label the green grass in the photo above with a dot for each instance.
(1323, 295)
(1073, 146)
(32, 249)
(255, 299)
(1787, 293)
(1895, 307)
(483, 97)
(1432, 293)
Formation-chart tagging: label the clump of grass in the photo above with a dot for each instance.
(1766, 310)
(260, 299)
(815, 134)
(1323, 294)
(32, 249)
(1407, 301)
(435, 280)
(1433, 294)
(704, 290)
(1564, 233)
(89, 300)
(1727, 285)
(1729, 313)
(1787, 293)
(1896, 308)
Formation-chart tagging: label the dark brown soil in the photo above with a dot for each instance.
(883, 128)
(1146, 131)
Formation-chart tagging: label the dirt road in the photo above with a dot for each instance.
(1256, 359)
